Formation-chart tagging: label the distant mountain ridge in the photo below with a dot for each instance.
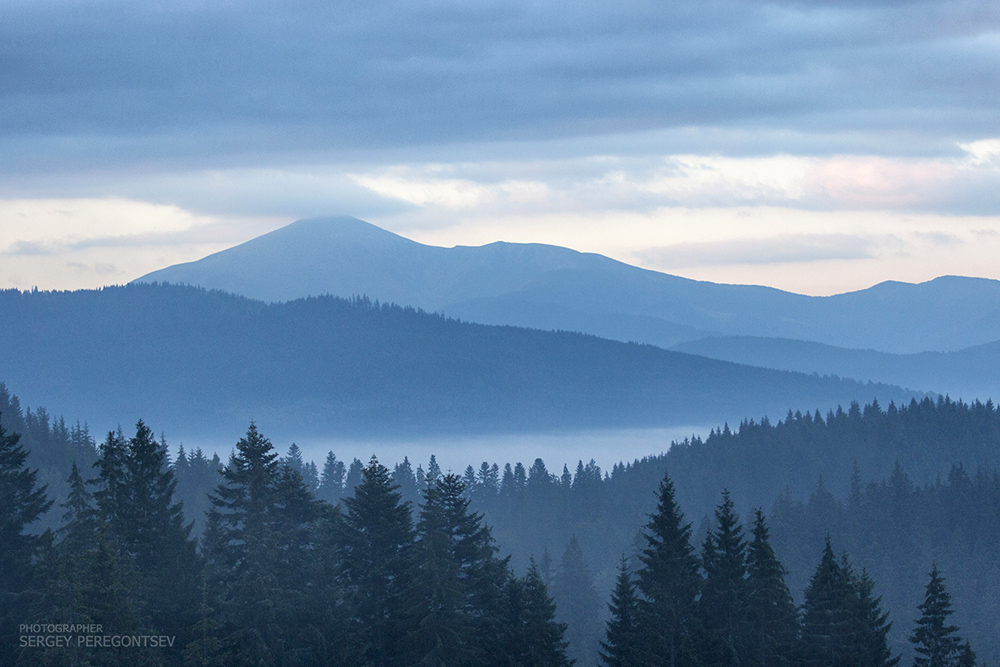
(971, 373)
(202, 364)
(551, 287)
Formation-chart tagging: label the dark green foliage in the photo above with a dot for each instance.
(842, 622)
(21, 503)
(827, 624)
(872, 625)
(403, 477)
(966, 656)
(936, 641)
(669, 583)
(578, 605)
(197, 476)
(354, 475)
(722, 606)
(146, 538)
(530, 633)
(242, 544)
(52, 446)
(71, 562)
(888, 525)
(456, 581)
(772, 637)
(331, 480)
(895, 527)
(622, 642)
(377, 563)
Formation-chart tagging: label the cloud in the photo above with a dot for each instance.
(776, 250)
(43, 227)
(217, 84)
(174, 129)
(86, 243)
(966, 184)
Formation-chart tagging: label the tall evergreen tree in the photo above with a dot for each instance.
(533, 636)
(71, 566)
(454, 578)
(966, 656)
(544, 641)
(669, 584)
(578, 605)
(722, 605)
(433, 471)
(297, 611)
(79, 530)
(828, 615)
(112, 494)
(331, 479)
(22, 501)
(155, 538)
(871, 634)
(403, 477)
(242, 546)
(376, 560)
(620, 647)
(771, 613)
(936, 642)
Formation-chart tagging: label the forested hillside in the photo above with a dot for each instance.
(898, 489)
(200, 365)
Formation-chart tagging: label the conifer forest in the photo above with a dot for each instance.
(134, 557)
(499, 334)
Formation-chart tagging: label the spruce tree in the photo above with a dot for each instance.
(377, 566)
(154, 537)
(872, 625)
(936, 642)
(828, 615)
(621, 645)
(669, 583)
(74, 552)
(722, 605)
(454, 578)
(403, 477)
(542, 637)
(21, 503)
(331, 479)
(112, 494)
(771, 614)
(966, 656)
(242, 546)
(297, 612)
(79, 530)
(578, 604)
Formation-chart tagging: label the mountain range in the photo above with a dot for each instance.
(202, 364)
(938, 336)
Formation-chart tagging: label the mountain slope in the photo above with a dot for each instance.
(970, 373)
(201, 364)
(550, 287)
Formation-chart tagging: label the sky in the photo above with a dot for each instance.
(814, 146)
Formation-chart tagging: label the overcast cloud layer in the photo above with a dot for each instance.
(593, 124)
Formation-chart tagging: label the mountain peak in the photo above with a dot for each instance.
(551, 287)
(330, 232)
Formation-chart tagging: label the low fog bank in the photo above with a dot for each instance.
(454, 453)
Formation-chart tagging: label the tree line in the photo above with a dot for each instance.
(838, 476)
(280, 577)
(731, 606)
